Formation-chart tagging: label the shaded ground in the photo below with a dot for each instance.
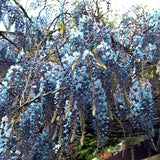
(141, 151)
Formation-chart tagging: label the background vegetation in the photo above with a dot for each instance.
(72, 72)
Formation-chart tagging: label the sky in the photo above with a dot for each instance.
(124, 4)
(116, 5)
(119, 4)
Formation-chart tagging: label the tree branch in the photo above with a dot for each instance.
(121, 124)
(118, 45)
(23, 10)
(40, 96)
(3, 36)
(1, 83)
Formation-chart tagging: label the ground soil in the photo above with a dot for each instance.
(141, 151)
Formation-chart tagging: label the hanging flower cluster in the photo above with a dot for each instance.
(72, 72)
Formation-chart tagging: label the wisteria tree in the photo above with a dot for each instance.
(72, 71)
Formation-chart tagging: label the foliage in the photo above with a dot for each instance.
(111, 144)
(71, 73)
(88, 149)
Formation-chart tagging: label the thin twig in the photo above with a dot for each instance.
(1, 34)
(119, 121)
(24, 11)
(42, 95)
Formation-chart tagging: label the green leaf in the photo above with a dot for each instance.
(138, 8)
(157, 69)
(61, 27)
(53, 58)
(51, 51)
(100, 15)
(101, 65)
(74, 65)
(145, 6)
(67, 30)
(94, 110)
(54, 116)
(61, 30)
(35, 39)
(94, 50)
(111, 23)
(74, 20)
